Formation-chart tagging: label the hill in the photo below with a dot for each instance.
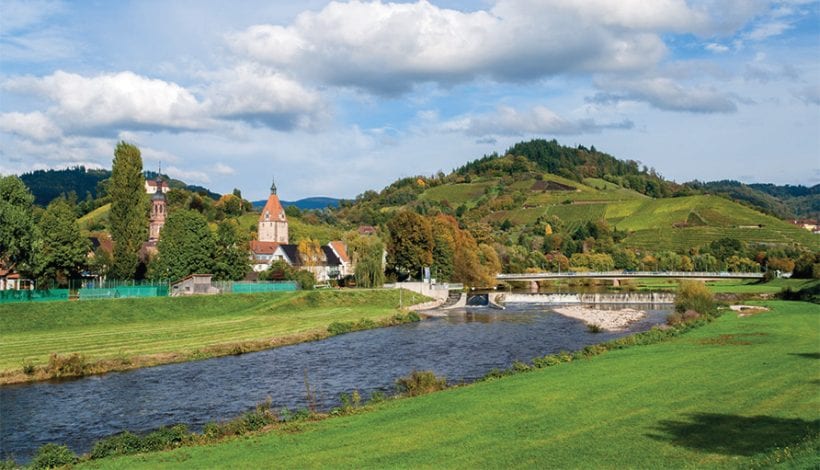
(780, 201)
(46, 185)
(307, 203)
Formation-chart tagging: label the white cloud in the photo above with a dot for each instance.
(809, 94)
(389, 48)
(716, 48)
(537, 120)
(222, 169)
(260, 95)
(104, 100)
(767, 30)
(666, 94)
(188, 176)
(34, 125)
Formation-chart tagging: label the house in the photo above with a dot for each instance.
(330, 262)
(152, 185)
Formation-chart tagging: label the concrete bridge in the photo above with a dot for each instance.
(617, 275)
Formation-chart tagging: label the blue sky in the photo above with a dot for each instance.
(334, 98)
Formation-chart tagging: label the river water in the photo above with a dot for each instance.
(463, 346)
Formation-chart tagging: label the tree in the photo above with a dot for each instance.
(367, 255)
(129, 210)
(310, 252)
(16, 223)
(62, 251)
(186, 247)
(444, 246)
(232, 255)
(410, 246)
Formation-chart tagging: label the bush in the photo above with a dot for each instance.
(121, 444)
(165, 438)
(52, 456)
(420, 383)
(67, 365)
(594, 328)
(8, 464)
(694, 295)
(28, 367)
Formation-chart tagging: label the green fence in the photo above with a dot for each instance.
(47, 295)
(243, 287)
(123, 291)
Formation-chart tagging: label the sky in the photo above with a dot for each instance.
(335, 98)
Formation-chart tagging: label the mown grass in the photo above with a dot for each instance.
(178, 328)
(690, 402)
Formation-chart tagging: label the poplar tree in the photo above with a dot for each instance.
(129, 210)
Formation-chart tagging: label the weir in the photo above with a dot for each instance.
(590, 298)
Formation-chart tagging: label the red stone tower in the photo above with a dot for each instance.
(158, 212)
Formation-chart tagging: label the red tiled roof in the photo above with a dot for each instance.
(263, 248)
(274, 208)
(340, 249)
(367, 229)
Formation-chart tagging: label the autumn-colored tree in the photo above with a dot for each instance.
(410, 243)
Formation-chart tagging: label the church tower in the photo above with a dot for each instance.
(273, 224)
(158, 212)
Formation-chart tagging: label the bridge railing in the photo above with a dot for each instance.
(627, 274)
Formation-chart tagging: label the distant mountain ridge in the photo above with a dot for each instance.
(308, 203)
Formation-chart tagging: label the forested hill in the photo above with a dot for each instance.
(781, 201)
(574, 163)
(46, 185)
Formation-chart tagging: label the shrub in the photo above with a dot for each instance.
(52, 456)
(420, 383)
(519, 366)
(28, 367)
(67, 365)
(546, 361)
(377, 397)
(165, 438)
(694, 295)
(594, 328)
(8, 464)
(120, 444)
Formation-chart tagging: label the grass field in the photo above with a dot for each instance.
(731, 286)
(178, 328)
(737, 393)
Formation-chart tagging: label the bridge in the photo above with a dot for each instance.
(617, 275)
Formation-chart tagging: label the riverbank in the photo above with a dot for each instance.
(612, 320)
(39, 341)
(611, 411)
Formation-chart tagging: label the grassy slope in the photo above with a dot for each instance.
(99, 214)
(103, 329)
(650, 221)
(718, 397)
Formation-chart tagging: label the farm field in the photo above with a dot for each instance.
(745, 395)
(175, 329)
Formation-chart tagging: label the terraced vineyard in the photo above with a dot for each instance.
(669, 223)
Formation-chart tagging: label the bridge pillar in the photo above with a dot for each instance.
(533, 286)
(616, 283)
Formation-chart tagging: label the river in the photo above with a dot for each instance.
(463, 346)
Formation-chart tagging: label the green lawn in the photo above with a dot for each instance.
(724, 395)
(102, 329)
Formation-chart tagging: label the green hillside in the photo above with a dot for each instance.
(665, 223)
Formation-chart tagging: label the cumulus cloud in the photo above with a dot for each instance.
(261, 95)
(222, 169)
(666, 94)
(508, 121)
(809, 94)
(36, 125)
(104, 100)
(389, 48)
(107, 103)
(716, 48)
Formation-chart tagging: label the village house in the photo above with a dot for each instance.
(272, 244)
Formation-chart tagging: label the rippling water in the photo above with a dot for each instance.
(462, 347)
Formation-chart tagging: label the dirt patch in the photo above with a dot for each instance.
(747, 310)
(735, 339)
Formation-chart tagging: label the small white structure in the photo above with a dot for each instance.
(194, 284)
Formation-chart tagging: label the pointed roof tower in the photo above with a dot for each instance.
(159, 194)
(272, 186)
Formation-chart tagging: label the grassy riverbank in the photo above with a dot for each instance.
(738, 392)
(127, 333)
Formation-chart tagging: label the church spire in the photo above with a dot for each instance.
(273, 186)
